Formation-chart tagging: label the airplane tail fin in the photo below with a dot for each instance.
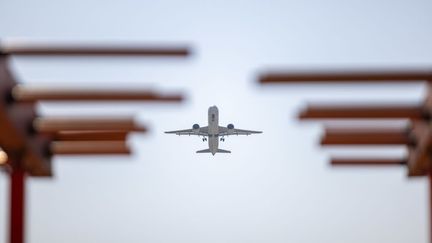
(208, 151)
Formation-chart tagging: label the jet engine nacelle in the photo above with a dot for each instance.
(195, 128)
(230, 127)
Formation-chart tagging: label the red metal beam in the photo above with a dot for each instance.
(89, 148)
(346, 76)
(360, 112)
(15, 120)
(430, 205)
(34, 49)
(366, 136)
(17, 206)
(56, 124)
(31, 94)
(367, 161)
(90, 136)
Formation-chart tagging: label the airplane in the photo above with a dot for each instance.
(213, 131)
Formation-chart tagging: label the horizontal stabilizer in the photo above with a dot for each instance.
(204, 151)
(208, 151)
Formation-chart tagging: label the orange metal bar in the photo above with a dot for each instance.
(90, 135)
(32, 49)
(346, 76)
(356, 112)
(366, 136)
(367, 161)
(32, 94)
(89, 147)
(56, 124)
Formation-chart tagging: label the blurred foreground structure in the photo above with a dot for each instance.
(28, 141)
(417, 136)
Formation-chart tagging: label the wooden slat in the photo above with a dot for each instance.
(33, 49)
(367, 161)
(90, 135)
(53, 125)
(366, 136)
(31, 94)
(360, 112)
(346, 76)
(89, 148)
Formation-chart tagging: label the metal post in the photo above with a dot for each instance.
(430, 206)
(17, 205)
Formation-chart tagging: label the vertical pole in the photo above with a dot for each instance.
(430, 205)
(17, 197)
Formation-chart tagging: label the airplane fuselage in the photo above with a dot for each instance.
(213, 129)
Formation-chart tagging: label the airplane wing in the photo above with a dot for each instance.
(203, 131)
(223, 131)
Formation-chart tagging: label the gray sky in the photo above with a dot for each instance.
(274, 187)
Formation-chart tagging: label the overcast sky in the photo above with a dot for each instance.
(273, 187)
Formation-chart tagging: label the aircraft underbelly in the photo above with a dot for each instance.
(213, 129)
(213, 144)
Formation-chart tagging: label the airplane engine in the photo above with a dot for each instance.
(230, 127)
(195, 128)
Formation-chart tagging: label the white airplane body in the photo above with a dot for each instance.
(213, 131)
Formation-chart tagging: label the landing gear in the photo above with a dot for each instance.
(222, 139)
(204, 139)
